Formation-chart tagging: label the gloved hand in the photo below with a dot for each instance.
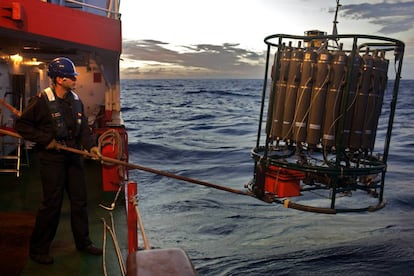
(52, 145)
(96, 152)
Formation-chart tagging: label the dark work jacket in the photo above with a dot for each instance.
(36, 123)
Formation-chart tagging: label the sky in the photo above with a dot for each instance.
(164, 39)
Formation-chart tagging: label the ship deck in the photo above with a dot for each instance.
(19, 199)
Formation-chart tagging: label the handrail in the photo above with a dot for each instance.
(111, 12)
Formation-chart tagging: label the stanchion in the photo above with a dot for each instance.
(132, 217)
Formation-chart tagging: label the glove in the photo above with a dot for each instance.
(52, 145)
(95, 152)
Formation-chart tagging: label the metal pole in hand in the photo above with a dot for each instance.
(138, 167)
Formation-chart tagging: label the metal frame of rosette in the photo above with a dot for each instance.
(343, 155)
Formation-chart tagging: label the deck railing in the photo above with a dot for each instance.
(111, 10)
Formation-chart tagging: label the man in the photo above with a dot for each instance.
(55, 116)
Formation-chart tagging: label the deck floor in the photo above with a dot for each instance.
(23, 195)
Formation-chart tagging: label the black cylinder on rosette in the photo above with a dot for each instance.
(304, 94)
(280, 95)
(375, 99)
(361, 100)
(318, 97)
(333, 97)
(350, 97)
(294, 78)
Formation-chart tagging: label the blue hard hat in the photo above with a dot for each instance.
(61, 67)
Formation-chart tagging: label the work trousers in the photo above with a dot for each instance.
(60, 171)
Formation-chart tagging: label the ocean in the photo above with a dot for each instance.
(206, 129)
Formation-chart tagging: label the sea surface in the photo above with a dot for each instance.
(205, 129)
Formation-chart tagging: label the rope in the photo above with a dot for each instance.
(134, 201)
(118, 249)
(104, 249)
(112, 137)
(116, 244)
(114, 201)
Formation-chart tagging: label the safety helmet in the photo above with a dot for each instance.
(61, 67)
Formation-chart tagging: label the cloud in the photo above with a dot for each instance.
(159, 59)
(149, 50)
(392, 16)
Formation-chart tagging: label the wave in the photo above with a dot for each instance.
(369, 259)
(205, 129)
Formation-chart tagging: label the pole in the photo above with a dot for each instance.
(138, 167)
(132, 191)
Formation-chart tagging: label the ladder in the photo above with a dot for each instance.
(11, 162)
(11, 150)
